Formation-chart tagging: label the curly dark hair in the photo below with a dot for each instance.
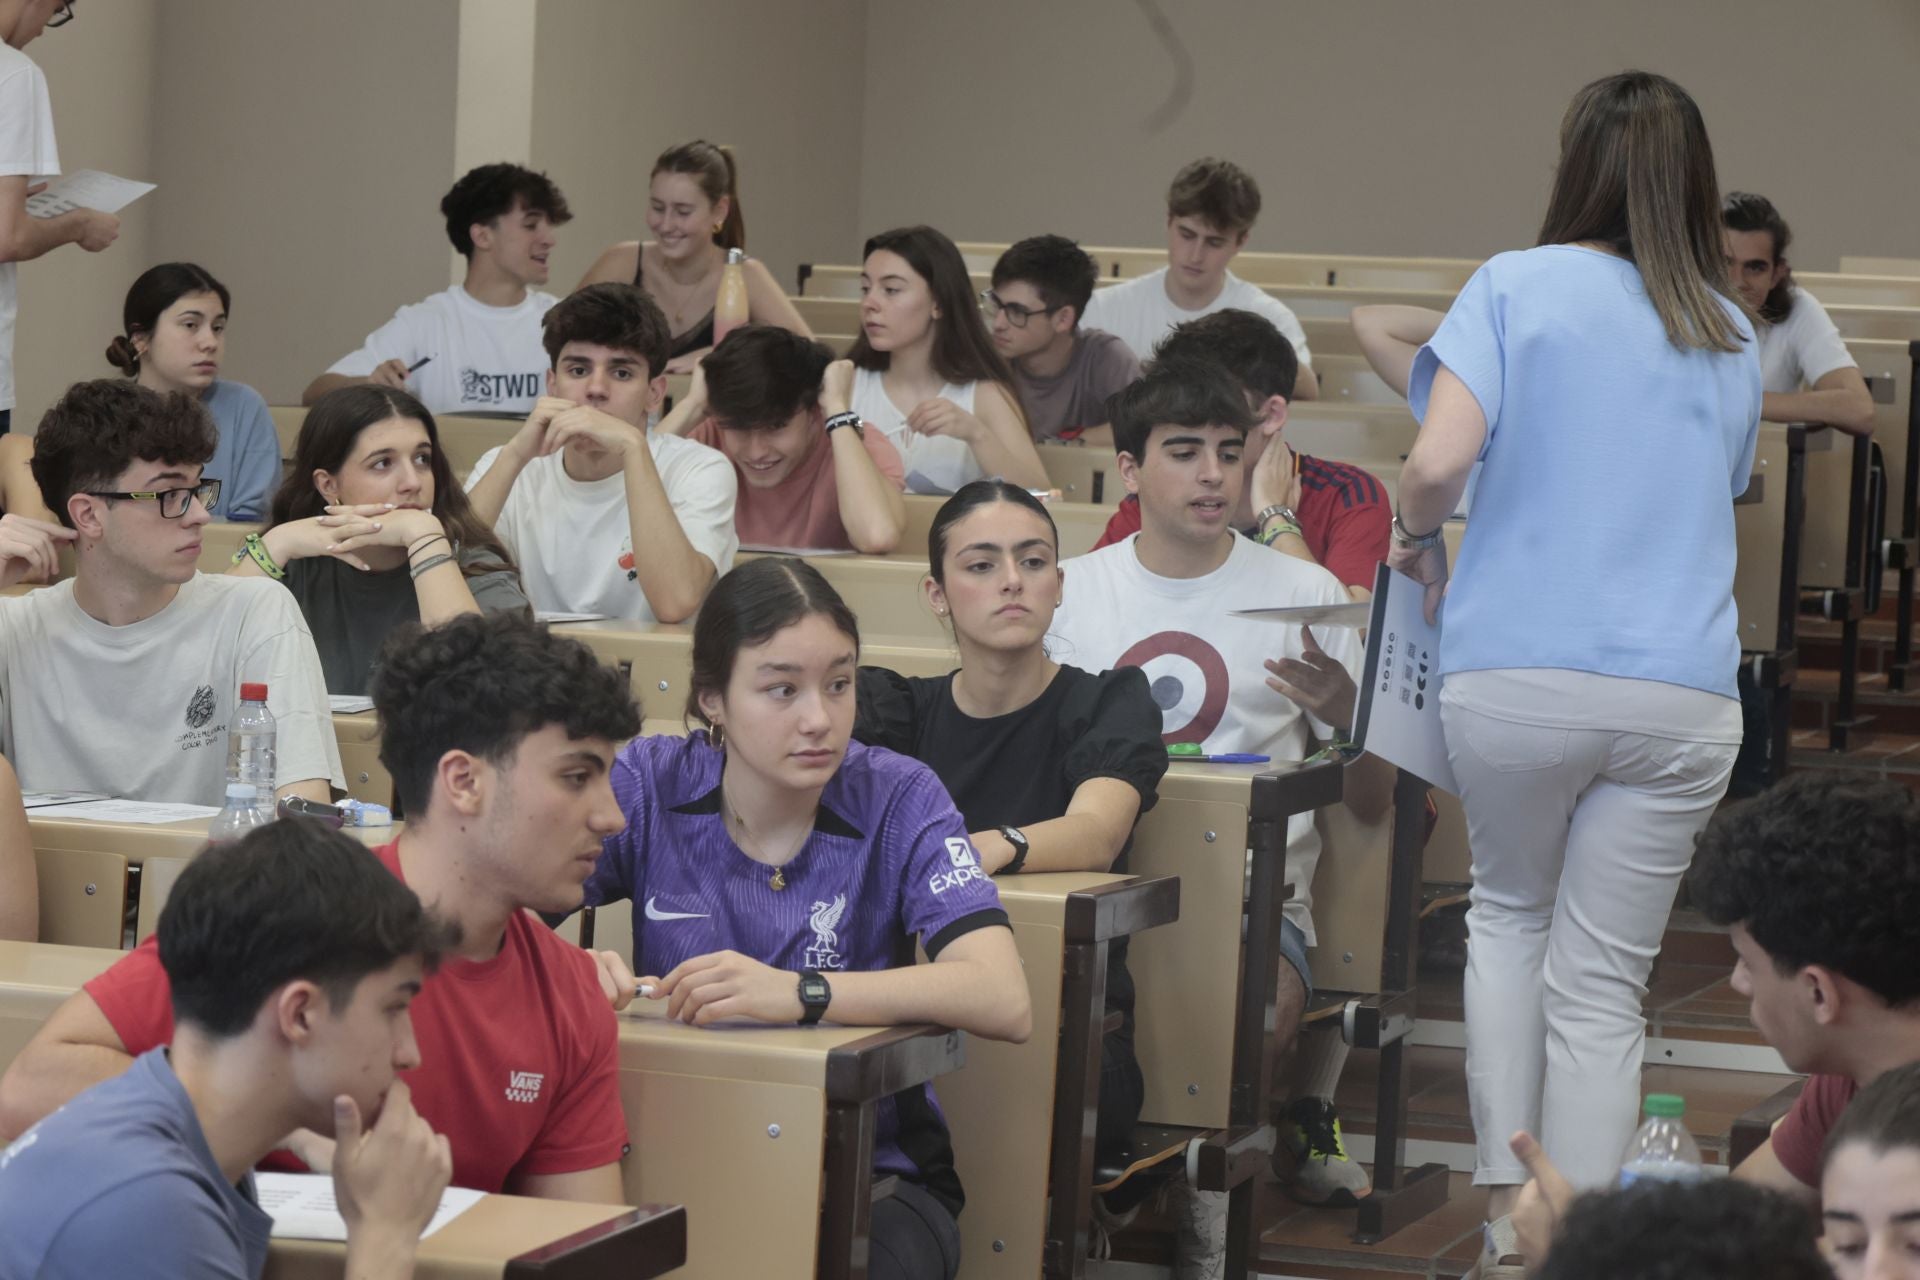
(100, 428)
(760, 376)
(481, 683)
(1822, 869)
(494, 190)
(611, 314)
(1713, 1229)
(1246, 345)
(294, 899)
(1185, 393)
(1218, 191)
(1745, 211)
(1060, 271)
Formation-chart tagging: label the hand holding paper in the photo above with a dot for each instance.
(1427, 566)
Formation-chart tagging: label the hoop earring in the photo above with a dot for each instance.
(717, 734)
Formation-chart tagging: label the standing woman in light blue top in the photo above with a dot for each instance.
(1608, 383)
(175, 322)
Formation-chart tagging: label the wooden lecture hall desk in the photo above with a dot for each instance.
(765, 1134)
(514, 1237)
(89, 870)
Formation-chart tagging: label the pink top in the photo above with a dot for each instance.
(802, 512)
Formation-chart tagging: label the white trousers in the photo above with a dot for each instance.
(1580, 837)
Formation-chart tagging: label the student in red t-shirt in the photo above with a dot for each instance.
(1332, 514)
(499, 737)
(812, 475)
(1818, 883)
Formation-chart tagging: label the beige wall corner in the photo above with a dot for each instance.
(100, 74)
(493, 97)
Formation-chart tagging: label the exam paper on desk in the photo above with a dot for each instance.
(302, 1208)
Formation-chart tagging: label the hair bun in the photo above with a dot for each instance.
(121, 355)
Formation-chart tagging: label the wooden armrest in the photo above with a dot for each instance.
(1754, 1126)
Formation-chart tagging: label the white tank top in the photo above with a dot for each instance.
(933, 464)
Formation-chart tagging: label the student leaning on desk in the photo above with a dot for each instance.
(292, 959)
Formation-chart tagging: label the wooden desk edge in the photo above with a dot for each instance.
(644, 1242)
(892, 1059)
(1125, 907)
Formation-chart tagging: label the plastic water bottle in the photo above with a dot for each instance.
(1662, 1149)
(250, 757)
(243, 812)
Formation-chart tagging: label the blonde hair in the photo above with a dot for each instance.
(1636, 174)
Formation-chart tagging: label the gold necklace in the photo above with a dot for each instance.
(778, 880)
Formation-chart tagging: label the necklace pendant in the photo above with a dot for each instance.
(778, 880)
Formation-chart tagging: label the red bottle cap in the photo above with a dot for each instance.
(253, 693)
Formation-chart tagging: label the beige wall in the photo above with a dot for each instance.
(616, 83)
(302, 150)
(100, 75)
(1390, 127)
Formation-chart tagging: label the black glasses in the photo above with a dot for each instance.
(61, 16)
(1017, 315)
(173, 502)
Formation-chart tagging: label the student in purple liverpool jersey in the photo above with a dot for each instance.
(780, 872)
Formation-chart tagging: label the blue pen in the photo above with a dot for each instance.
(1192, 756)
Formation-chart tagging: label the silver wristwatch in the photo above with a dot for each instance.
(1412, 541)
(1277, 509)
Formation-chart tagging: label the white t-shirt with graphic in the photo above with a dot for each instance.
(574, 543)
(140, 712)
(483, 359)
(1206, 666)
(1140, 312)
(1802, 349)
(26, 150)
(933, 464)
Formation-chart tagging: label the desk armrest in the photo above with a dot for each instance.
(890, 1060)
(1287, 789)
(1122, 908)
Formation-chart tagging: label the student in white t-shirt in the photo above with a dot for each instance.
(121, 680)
(1163, 600)
(1211, 207)
(475, 347)
(1806, 372)
(604, 515)
(27, 153)
(926, 373)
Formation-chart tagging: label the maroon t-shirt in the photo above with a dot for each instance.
(1801, 1135)
(1345, 519)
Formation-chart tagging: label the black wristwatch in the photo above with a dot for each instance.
(815, 996)
(1013, 836)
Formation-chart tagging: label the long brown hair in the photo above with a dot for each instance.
(963, 351)
(326, 441)
(711, 165)
(1636, 174)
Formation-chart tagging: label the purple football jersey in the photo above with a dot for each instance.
(888, 862)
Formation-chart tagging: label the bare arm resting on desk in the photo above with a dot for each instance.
(76, 1049)
(975, 984)
(1839, 399)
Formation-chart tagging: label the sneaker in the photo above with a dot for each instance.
(1200, 1231)
(1104, 1225)
(1322, 1174)
(1499, 1253)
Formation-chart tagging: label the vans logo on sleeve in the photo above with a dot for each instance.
(524, 1086)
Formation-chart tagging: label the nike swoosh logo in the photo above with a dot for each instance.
(655, 913)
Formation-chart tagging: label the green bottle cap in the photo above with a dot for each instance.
(1669, 1105)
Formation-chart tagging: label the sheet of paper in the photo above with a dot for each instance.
(139, 811)
(1353, 613)
(49, 799)
(347, 704)
(803, 553)
(558, 615)
(1399, 715)
(302, 1208)
(86, 189)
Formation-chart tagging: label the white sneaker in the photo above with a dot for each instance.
(1200, 1232)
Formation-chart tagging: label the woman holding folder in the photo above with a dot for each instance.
(1608, 383)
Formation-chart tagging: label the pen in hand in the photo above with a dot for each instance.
(417, 363)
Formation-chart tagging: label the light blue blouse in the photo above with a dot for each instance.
(1601, 537)
(247, 459)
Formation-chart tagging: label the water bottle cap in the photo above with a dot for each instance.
(253, 693)
(1667, 1105)
(736, 256)
(242, 791)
